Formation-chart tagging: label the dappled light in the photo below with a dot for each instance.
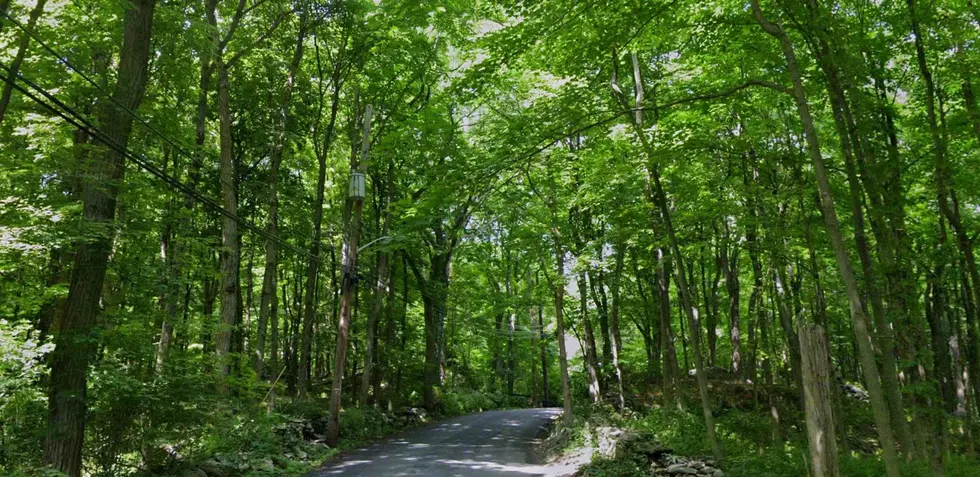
(726, 238)
(495, 443)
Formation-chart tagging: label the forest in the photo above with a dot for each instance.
(746, 228)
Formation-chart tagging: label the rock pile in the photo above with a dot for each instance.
(853, 392)
(615, 443)
(223, 466)
(674, 465)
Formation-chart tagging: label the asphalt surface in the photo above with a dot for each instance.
(494, 443)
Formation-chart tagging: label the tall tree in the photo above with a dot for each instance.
(105, 171)
(832, 225)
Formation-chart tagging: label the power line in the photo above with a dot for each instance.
(78, 120)
(64, 60)
(81, 122)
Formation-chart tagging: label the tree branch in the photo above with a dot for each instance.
(272, 28)
(728, 92)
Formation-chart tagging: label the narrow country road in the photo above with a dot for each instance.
(495, 443)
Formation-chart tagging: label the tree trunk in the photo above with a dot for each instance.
(752, 243)
(820, 302)
(74, 341)
(534, 341)
(4, 5)
(560, 324)
(710, 289)
(176, 248)
(371, 332)
(25, 44)
(388, 354)
(672, 373)
(785, 318)
(963, 368)
(168, 248)
(818, 396)
(650, 328)
(544, 359)
(687, 303)
(403, 316)
(268, 302)
(309, 305)
(730, 268)
(591, 360)
(614, 331)
(229, 231)
(851, 147)
(434, 295)
(511, 357)
(511, 328)
(498, 351)
(381, 289)
(969, 98)
(598, 288)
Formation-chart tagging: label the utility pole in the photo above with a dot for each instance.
(349, 277)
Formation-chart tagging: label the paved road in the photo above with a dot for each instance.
(495, 443)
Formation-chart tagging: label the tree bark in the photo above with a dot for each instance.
(434, 295)
(588, 342)
(750, 180)
(560, 322)
(389, 351)
(75, 344)
(818, 396)
(710, 288)
(511, 328)
(617, 342)
(649, 328)
(597, 287)
(380, 290)
(229, 231)
(497, 346)
(969, 98)
(687, 303)
(940, 338)
(851, 147)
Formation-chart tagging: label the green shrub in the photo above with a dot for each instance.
(613, 468)
(23, 404)
(364, 423)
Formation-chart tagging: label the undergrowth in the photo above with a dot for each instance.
(753, 443)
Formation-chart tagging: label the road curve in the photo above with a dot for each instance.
(494, 443)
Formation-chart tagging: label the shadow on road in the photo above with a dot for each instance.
(495, 443)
